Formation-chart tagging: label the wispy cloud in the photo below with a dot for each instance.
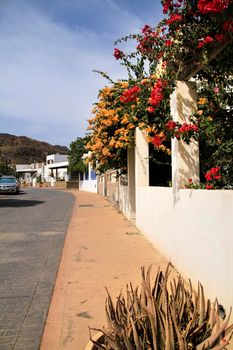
(46, 63)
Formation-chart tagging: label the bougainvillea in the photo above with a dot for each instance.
(112, 127)
(186, 43)
(212, 180)
(214, 6)
(130, 95)
(156, 95)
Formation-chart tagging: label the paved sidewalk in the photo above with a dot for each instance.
(102, 249)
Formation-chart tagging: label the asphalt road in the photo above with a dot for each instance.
(33, 226)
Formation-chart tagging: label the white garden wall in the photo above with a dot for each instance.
(88, 185)
(194, 230)
(115, 188)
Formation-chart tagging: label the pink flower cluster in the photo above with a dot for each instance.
(216, 6)
(156, 95)
(130, 95)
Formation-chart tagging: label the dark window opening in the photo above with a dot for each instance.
(160, 171)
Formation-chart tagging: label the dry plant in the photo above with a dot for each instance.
(167, 315)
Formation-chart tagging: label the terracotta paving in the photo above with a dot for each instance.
(102, 249)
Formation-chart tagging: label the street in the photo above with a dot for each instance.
(33, 225)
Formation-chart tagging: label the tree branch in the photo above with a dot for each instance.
(196, 63)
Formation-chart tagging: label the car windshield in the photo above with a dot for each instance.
(8, 180)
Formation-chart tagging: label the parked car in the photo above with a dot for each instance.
(9, 184)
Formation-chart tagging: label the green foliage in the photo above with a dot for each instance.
(216, 123)
(76, 152)
(164, 315)
(7, 170)
(39, 179)
(119, 162)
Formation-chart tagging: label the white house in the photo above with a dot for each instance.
(88, 180)
(27, 171)
(55, 167)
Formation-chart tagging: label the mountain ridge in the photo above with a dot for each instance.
(25, 150)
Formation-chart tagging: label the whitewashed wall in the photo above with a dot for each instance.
(194, 230)
(88, 185)
(115, 189)
(123, 204)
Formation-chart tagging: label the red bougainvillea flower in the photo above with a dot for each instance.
(174, 18)
(168, 42)
(200, 44)
(220, 37)
(118, 54)
(166, 6)
(130, 95)
(190, 181)
(164, 65)
(156, 95)
(209, 187)
(214, 170)
(216, 6)
(212, 174)
(148, 39)
(150, 109)
(146, 43)
(207, 40)
(228, 26)
(147, 29)
(157, 140)
(171, 125)
(187, 127)
(208, 176)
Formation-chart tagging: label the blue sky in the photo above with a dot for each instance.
(48, 51)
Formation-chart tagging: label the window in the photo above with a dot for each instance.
(93, 175)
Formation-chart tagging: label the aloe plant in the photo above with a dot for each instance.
(167, 315)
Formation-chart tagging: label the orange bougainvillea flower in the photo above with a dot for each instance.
(202, 101)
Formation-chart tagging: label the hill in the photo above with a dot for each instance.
(24, 150)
